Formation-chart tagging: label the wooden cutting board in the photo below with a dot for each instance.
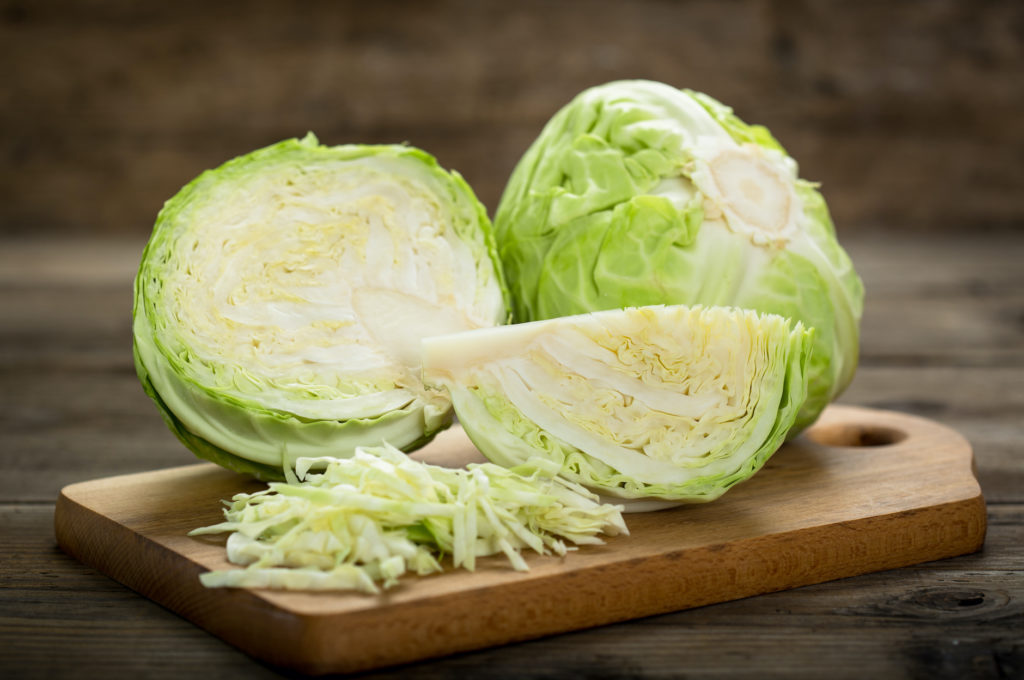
(863, 490)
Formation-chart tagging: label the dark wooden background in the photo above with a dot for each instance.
(908, 112)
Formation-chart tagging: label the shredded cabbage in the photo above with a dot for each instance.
(353, 523)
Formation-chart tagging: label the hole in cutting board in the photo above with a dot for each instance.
(855, 435)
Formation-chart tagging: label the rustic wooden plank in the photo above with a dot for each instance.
(908, 114)
(942, 617)
(972, 262)
(941, 300)
(62, 427)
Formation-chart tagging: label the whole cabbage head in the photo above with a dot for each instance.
(282, 297)
(637, 193)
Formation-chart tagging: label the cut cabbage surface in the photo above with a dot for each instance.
(673, 403)
(637, 193)
(281, 301)
(361, 523)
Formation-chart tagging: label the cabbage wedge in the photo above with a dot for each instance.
(663, 402)
(281, 300)
(637, 193)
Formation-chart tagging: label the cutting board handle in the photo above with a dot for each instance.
(851, 427)
(856, 434)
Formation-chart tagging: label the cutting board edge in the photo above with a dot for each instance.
(185, 597)
(308, 642)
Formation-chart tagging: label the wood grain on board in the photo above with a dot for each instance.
(864, 490)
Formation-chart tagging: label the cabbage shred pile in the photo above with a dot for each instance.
(369, 519)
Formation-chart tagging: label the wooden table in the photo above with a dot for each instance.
(943, 338)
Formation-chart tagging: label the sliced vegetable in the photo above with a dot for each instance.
(672, 403)
(637, 193)
(281, 300)
(379, 514)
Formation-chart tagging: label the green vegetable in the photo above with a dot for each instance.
(379, 514)
(637, 193)
(281, 300)
(672, 403)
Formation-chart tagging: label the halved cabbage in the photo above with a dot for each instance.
(282, 297)
(673, 403)
(637, 193)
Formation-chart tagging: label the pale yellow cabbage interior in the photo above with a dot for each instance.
(309, 290)
(662, 393)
